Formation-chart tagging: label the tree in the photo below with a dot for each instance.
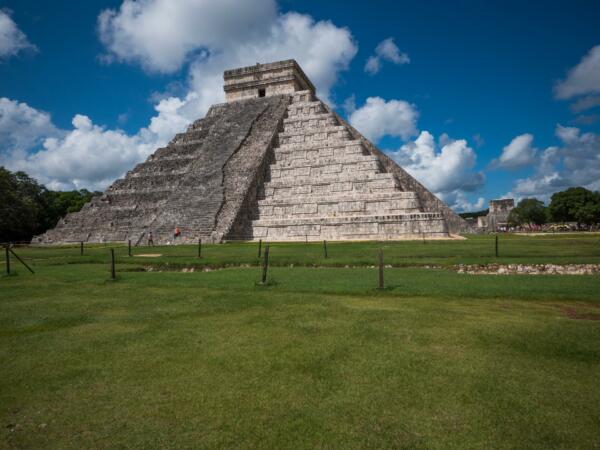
(528, 211)
(28, 208)
(21, 206)
(588, 213)
(474, 214)
(575, 205)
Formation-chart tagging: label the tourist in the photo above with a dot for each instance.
(177, 233)
(150, 239)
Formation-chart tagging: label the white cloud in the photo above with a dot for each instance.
(386, 50)
(458, 201)
(582, 79)
(208, 36)
(87, 156)
(584, 103)
(446, 169)
(212, 39)
(21, 128)
(519, 153)
(161, 34)
(575, 163)
(12, 40)
(378, 118)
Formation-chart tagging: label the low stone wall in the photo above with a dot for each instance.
(529, 269)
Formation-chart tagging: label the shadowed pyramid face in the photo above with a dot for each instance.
(274, 163)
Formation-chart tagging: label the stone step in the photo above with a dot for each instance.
(406, 196)
(349, 219)
(346, 177)
(357, 187)
(326, 169)
(320, 161)
(348, 207)
(389, 226)
(177, 151)
(163, 165)
(305, 108)
(330, 129)
(293, 148)
(316, 121)
(317, 155)
(191, 135)
(303, 96)
(302, 119)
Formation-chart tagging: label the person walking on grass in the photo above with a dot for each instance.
(177, 233)
(150, 240)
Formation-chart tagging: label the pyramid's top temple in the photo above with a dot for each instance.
(272, 163)
(264, 80)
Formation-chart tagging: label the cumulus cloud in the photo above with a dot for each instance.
(207, 37)
(378, 118)
(445, 169)
(519, 153)
(386, 50)
(161, 34)
(12, 39)
(87, 156)
(212, 39)
(458, 201)
(585, 103)
(576, 162)
(582, 79)
(21, 128)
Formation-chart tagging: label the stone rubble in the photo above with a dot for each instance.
(528, 269)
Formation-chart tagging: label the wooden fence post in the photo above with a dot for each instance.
(199, 247)
(113, 274)
(496, 246)
(81, 248)
(20, 260)
(381, 269)
(7, 256)
(265, 265)
(129, 247)
(325, 248)
(259, 247)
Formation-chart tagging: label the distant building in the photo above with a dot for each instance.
(497, 218)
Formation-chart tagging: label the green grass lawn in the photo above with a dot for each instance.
(476, 249)
(318, 358)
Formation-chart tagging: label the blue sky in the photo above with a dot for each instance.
(477, 99)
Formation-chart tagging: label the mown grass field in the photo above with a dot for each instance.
(318, 358)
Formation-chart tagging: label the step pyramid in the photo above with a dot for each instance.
(272, 163)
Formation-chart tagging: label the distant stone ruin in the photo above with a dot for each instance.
(272, 163)
(497, 217)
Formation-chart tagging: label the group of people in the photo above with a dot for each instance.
(176, 234)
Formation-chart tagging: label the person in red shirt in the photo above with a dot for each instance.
(177, 233)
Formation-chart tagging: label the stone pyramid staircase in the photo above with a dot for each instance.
(324, 184)
(195, 183)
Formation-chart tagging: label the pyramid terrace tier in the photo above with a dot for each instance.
(305, 108)
(360, 181)
(315, 151)
(310, 121)
(389, 227)
(323, 165)
(341, 204)
(335, 132)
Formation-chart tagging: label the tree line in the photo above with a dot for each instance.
(28, 208)
(577, 205)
